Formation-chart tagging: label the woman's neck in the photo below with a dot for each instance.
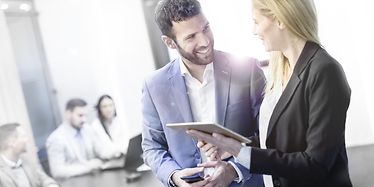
(293, 50)
(108, 122)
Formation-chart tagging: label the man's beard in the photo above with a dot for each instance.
(195, 58)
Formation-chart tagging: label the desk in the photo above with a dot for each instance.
(111, 178)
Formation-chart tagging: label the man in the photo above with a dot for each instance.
(72, 149)
(202, 85)
(14, 171)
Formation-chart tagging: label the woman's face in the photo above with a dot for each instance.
(107, 108)
(268, 30)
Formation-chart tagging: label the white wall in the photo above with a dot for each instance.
(99, 46)
(12, 102)
(95, 47)
(345, 29)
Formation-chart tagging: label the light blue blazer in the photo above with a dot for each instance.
(238, 93)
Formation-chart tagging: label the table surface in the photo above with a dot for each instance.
(111, 178)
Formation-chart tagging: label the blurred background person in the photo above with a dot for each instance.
(109, 128)
(14, 170)
(72, 148)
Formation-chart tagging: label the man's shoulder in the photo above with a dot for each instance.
(164, 73)
(57, 135)
(236, 60)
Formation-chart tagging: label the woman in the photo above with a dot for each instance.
(302, 117)
(109, 128)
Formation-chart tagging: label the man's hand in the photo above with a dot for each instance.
(95, 164)
(224, 173)
(176, 177)
(53, 185)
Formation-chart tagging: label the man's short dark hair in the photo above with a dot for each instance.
(168, 11)
(6, 131)
(76, 102)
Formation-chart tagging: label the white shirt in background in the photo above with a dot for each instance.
(65, 154)
(118, 142)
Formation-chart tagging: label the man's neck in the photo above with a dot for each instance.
(197, 71)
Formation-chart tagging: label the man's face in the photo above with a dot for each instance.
(77, 117)
(194, 40)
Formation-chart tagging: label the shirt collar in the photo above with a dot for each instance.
(71, 130)
(12, 164)
(184, 71)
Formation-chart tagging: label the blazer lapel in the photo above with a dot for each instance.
(307, 53)
(222, 76)
(179, 91)
(5, 169)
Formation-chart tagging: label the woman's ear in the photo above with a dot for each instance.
(280, 24)
(168, 42)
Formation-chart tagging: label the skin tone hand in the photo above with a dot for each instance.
(224, 173)
(212, 152)
(53, 185)
(95, 164)
(222, 142)
(176, 177)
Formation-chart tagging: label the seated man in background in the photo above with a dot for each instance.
(14, 171)
(72, 148)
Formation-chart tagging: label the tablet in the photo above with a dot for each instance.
(209, 128)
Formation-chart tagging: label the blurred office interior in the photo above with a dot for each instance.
(54, 50)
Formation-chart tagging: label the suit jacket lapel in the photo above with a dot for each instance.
(5, 169)
(222, 76)
(179, 91)
(307, 53)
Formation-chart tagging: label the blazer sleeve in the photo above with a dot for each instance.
(328, 97)
(154, 144)
(257, 86)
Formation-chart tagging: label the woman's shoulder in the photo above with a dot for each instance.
(96, 125)
(324, 63)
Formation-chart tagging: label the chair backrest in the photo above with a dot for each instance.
(43, 159)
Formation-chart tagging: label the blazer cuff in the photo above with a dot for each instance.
(239, 179)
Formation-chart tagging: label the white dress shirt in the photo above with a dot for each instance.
(203, 104)
(266, 110)
(202, 98)
(119, 138)
(70, 152)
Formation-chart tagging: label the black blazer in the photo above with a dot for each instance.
(305, 139)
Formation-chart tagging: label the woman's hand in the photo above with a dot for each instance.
(212, 152)
(222, 143)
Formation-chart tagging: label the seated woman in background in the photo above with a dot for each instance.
(109, 129)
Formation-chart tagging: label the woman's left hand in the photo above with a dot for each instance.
(223, 143)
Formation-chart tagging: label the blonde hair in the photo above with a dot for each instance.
(300, 19)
